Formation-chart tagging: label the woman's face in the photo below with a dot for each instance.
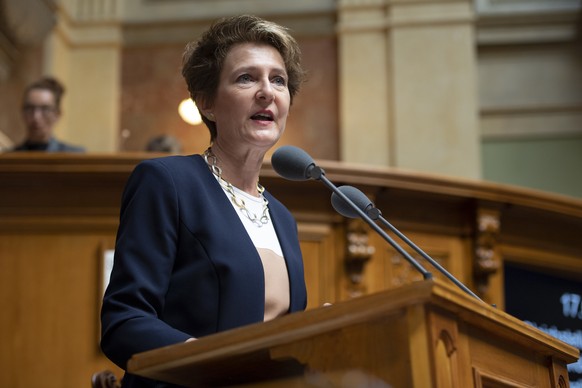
(40, 114)
(252, 100)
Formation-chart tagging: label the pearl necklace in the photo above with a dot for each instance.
(210, 160)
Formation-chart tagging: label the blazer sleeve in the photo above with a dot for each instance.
(144, 257)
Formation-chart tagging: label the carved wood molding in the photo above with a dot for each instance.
(484, 379)
(358, 253)
(487, 257)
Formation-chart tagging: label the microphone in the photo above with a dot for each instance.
(363, 203)
(294, 164)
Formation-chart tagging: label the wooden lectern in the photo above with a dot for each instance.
(426, 334)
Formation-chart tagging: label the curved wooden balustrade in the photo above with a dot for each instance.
(59, 212)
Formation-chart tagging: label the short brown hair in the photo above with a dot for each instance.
(47, 83)
(203, 60)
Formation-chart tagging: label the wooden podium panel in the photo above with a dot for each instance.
(426, 334)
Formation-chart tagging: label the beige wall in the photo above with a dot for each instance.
(530, 92)
(84, 51)
(407, 84)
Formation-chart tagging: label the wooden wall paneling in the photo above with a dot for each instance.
(378, 273)
(388, 269)
(57, 213)
(319, 245)
(51, 293)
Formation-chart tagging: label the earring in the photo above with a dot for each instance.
(210, 116)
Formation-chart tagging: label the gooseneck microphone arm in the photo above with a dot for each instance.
(295, 164)
(432, 261)
(373, 225)
(362, 202)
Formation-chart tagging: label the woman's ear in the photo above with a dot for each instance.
(205, 109)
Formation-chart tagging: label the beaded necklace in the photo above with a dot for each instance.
(210, 160)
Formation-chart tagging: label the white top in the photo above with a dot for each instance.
(265, 239)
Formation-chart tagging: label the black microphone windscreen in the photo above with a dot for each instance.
(292, 163)
(356, 196)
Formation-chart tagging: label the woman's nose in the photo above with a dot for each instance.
(266, 91)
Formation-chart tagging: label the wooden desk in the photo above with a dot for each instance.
(423, 335)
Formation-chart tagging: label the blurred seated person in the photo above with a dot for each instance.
(164, 143)
(41, 109)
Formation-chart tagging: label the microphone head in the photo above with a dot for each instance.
(358, 198)
(292, 163)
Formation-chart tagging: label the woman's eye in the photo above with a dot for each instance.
(244, 78)
(280, 81)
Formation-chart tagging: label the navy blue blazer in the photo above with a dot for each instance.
(184, 264)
